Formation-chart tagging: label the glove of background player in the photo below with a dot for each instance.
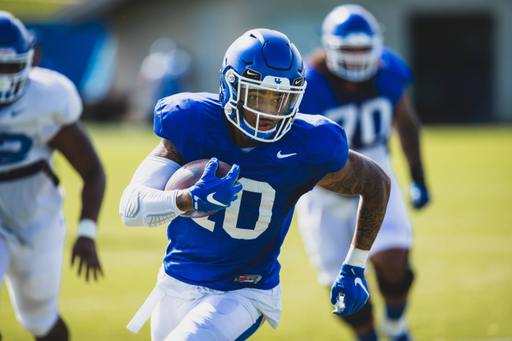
(213, 194)
(418, 195)
(350, 283)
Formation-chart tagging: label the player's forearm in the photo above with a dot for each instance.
(145, 206)
(409, 135)
(374, 187)
(370, 215)
(92, 193)
(145, 202)
(409, 139)
(407, 124)
(362, 176)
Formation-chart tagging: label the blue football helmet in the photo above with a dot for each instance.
(16, 51)
(263, 74)
(352, 40)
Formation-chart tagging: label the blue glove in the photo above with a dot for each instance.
(213, 194)
(351, 287)
(418, 195)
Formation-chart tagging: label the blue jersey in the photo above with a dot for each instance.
(365, 114)
(238, 247)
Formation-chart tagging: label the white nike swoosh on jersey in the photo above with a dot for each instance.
(360, 282)
(213, 201)
(282, 156)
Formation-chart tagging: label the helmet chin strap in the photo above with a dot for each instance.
(240, 105)
(240, 108)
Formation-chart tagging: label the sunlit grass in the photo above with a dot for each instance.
(34, 10)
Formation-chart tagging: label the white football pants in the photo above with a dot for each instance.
(224, 317)
(181, 311)
(33, 274)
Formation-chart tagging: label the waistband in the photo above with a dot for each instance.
(34, 168)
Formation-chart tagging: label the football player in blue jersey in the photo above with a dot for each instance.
(220, 274)
(39, 113)
(362, 85)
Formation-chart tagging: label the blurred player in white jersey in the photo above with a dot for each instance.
(39, 113)
(361, 85)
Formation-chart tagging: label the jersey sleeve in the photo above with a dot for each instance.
(394, 78)
(71, 105)
(340, 155)
(325, 141)
(399, 67)
(404, 71)
(170, 117)
(161, 115)
(175, 119)
(58, 99)
(318, 95)
(404, 77)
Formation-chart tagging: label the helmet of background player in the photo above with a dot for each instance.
(16, 51)
(263, 74)
(353, 43)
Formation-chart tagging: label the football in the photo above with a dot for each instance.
(189, 174)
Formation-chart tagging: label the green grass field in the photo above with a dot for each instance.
(35, 9)
(462, 253)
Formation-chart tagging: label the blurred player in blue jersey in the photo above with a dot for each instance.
(360, 84)
(39, 113)
(220, 275)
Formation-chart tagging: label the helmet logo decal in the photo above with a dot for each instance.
(298, 81)
(277, 80)
(251, 74)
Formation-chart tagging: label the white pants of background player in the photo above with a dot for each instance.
(194, 313)
(32, 234)
(327, 222)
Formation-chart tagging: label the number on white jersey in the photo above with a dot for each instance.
(14, 147)
(229, 224)
(372, 119)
